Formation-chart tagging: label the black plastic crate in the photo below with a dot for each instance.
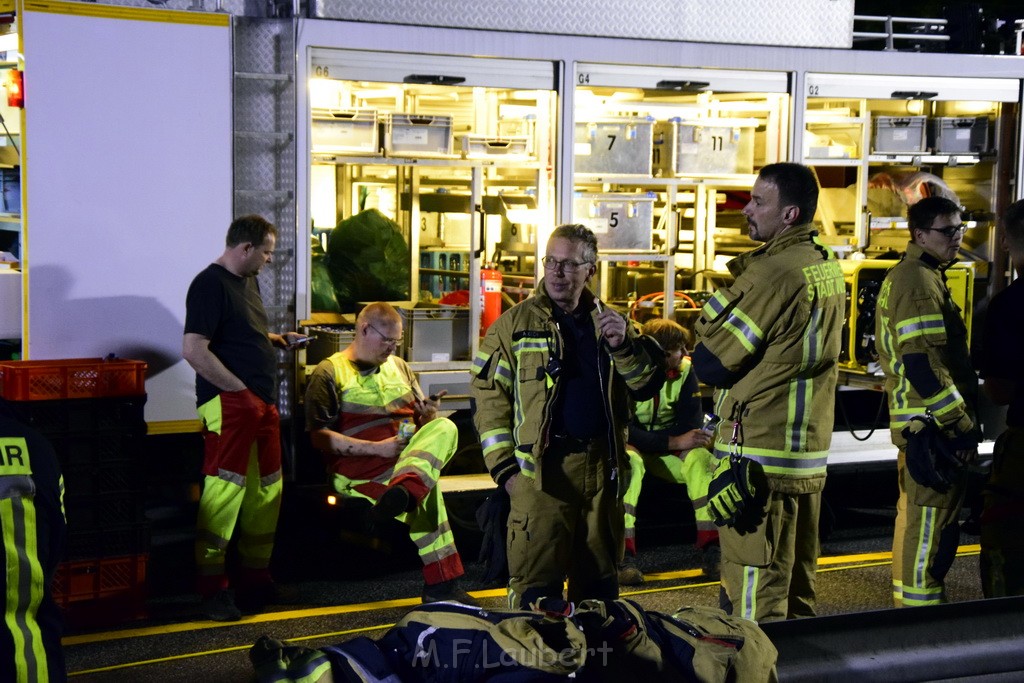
(98, 512)
(96, 450)
(60, 417)
(85, 479)
(124, 539)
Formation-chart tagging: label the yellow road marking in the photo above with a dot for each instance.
(825, 564)
(223, 650)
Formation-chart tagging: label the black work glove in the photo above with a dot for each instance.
(930, 456)
(738, 483)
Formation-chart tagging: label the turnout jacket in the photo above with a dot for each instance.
(922, 345)
(770, 344)
(515, 392)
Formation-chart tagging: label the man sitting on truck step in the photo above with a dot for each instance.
(385, 442)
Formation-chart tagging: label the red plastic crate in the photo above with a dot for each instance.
(36, 380)
(99, 578)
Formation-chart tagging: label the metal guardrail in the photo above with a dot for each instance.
(910, 28)
(981, 639)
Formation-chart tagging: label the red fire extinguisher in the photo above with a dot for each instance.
(490, 296)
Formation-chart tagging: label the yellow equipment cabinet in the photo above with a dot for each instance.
(863, 281)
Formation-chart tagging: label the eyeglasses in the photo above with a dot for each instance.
(568, 266)
(391, 341)
(949, 232)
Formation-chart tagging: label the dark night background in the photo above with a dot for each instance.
(974, 27)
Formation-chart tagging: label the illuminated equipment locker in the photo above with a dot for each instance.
(453, 157)
(662, 157)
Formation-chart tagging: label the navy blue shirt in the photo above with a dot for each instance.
(580, 411)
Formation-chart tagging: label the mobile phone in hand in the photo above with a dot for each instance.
(710, 423)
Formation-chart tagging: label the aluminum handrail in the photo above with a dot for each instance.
(889, 34)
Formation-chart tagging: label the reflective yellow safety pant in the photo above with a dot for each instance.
(242, 485)
(694, 470)
(420, 465)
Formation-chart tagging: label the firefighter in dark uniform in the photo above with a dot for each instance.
(32, 530)
(1002, 544)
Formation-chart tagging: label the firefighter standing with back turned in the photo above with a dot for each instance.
(769, 343)
(922, 346)
(1002, 367)
(32, 537)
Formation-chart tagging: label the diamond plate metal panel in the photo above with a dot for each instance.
(264, 153)
(810, 23)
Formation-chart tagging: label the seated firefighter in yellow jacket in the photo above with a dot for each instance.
(666, 440)
(362, 407)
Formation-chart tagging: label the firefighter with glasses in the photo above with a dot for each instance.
(385, 442)
(932, 392)
(552, 384)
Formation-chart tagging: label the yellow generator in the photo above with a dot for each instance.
(863, 281)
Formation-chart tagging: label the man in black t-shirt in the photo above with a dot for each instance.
(32, 541)
(1002, 545)
(227, 343)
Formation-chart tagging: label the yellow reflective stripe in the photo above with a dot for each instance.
(748, 592)
(920, 326)
(479, 361)
(898, 417)
(502, 370)
(791, 463)
(798, 411)
(14, 458)
(744, 329)
(715, 305)
(503, 374)
(496, 438)
(24, 587)
(944, 401)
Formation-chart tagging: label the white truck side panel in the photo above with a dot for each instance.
(128, 172)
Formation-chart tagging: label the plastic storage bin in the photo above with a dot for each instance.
(415, 135)
(347, 131)
(103, 591)
(33, 380)
(494, 147)
(112, 541)
(684, 146)
(958, 135)
(434, 332)
(327, 340)
(620, 146)
(77, 580)
(898, 134)
(622, 222)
